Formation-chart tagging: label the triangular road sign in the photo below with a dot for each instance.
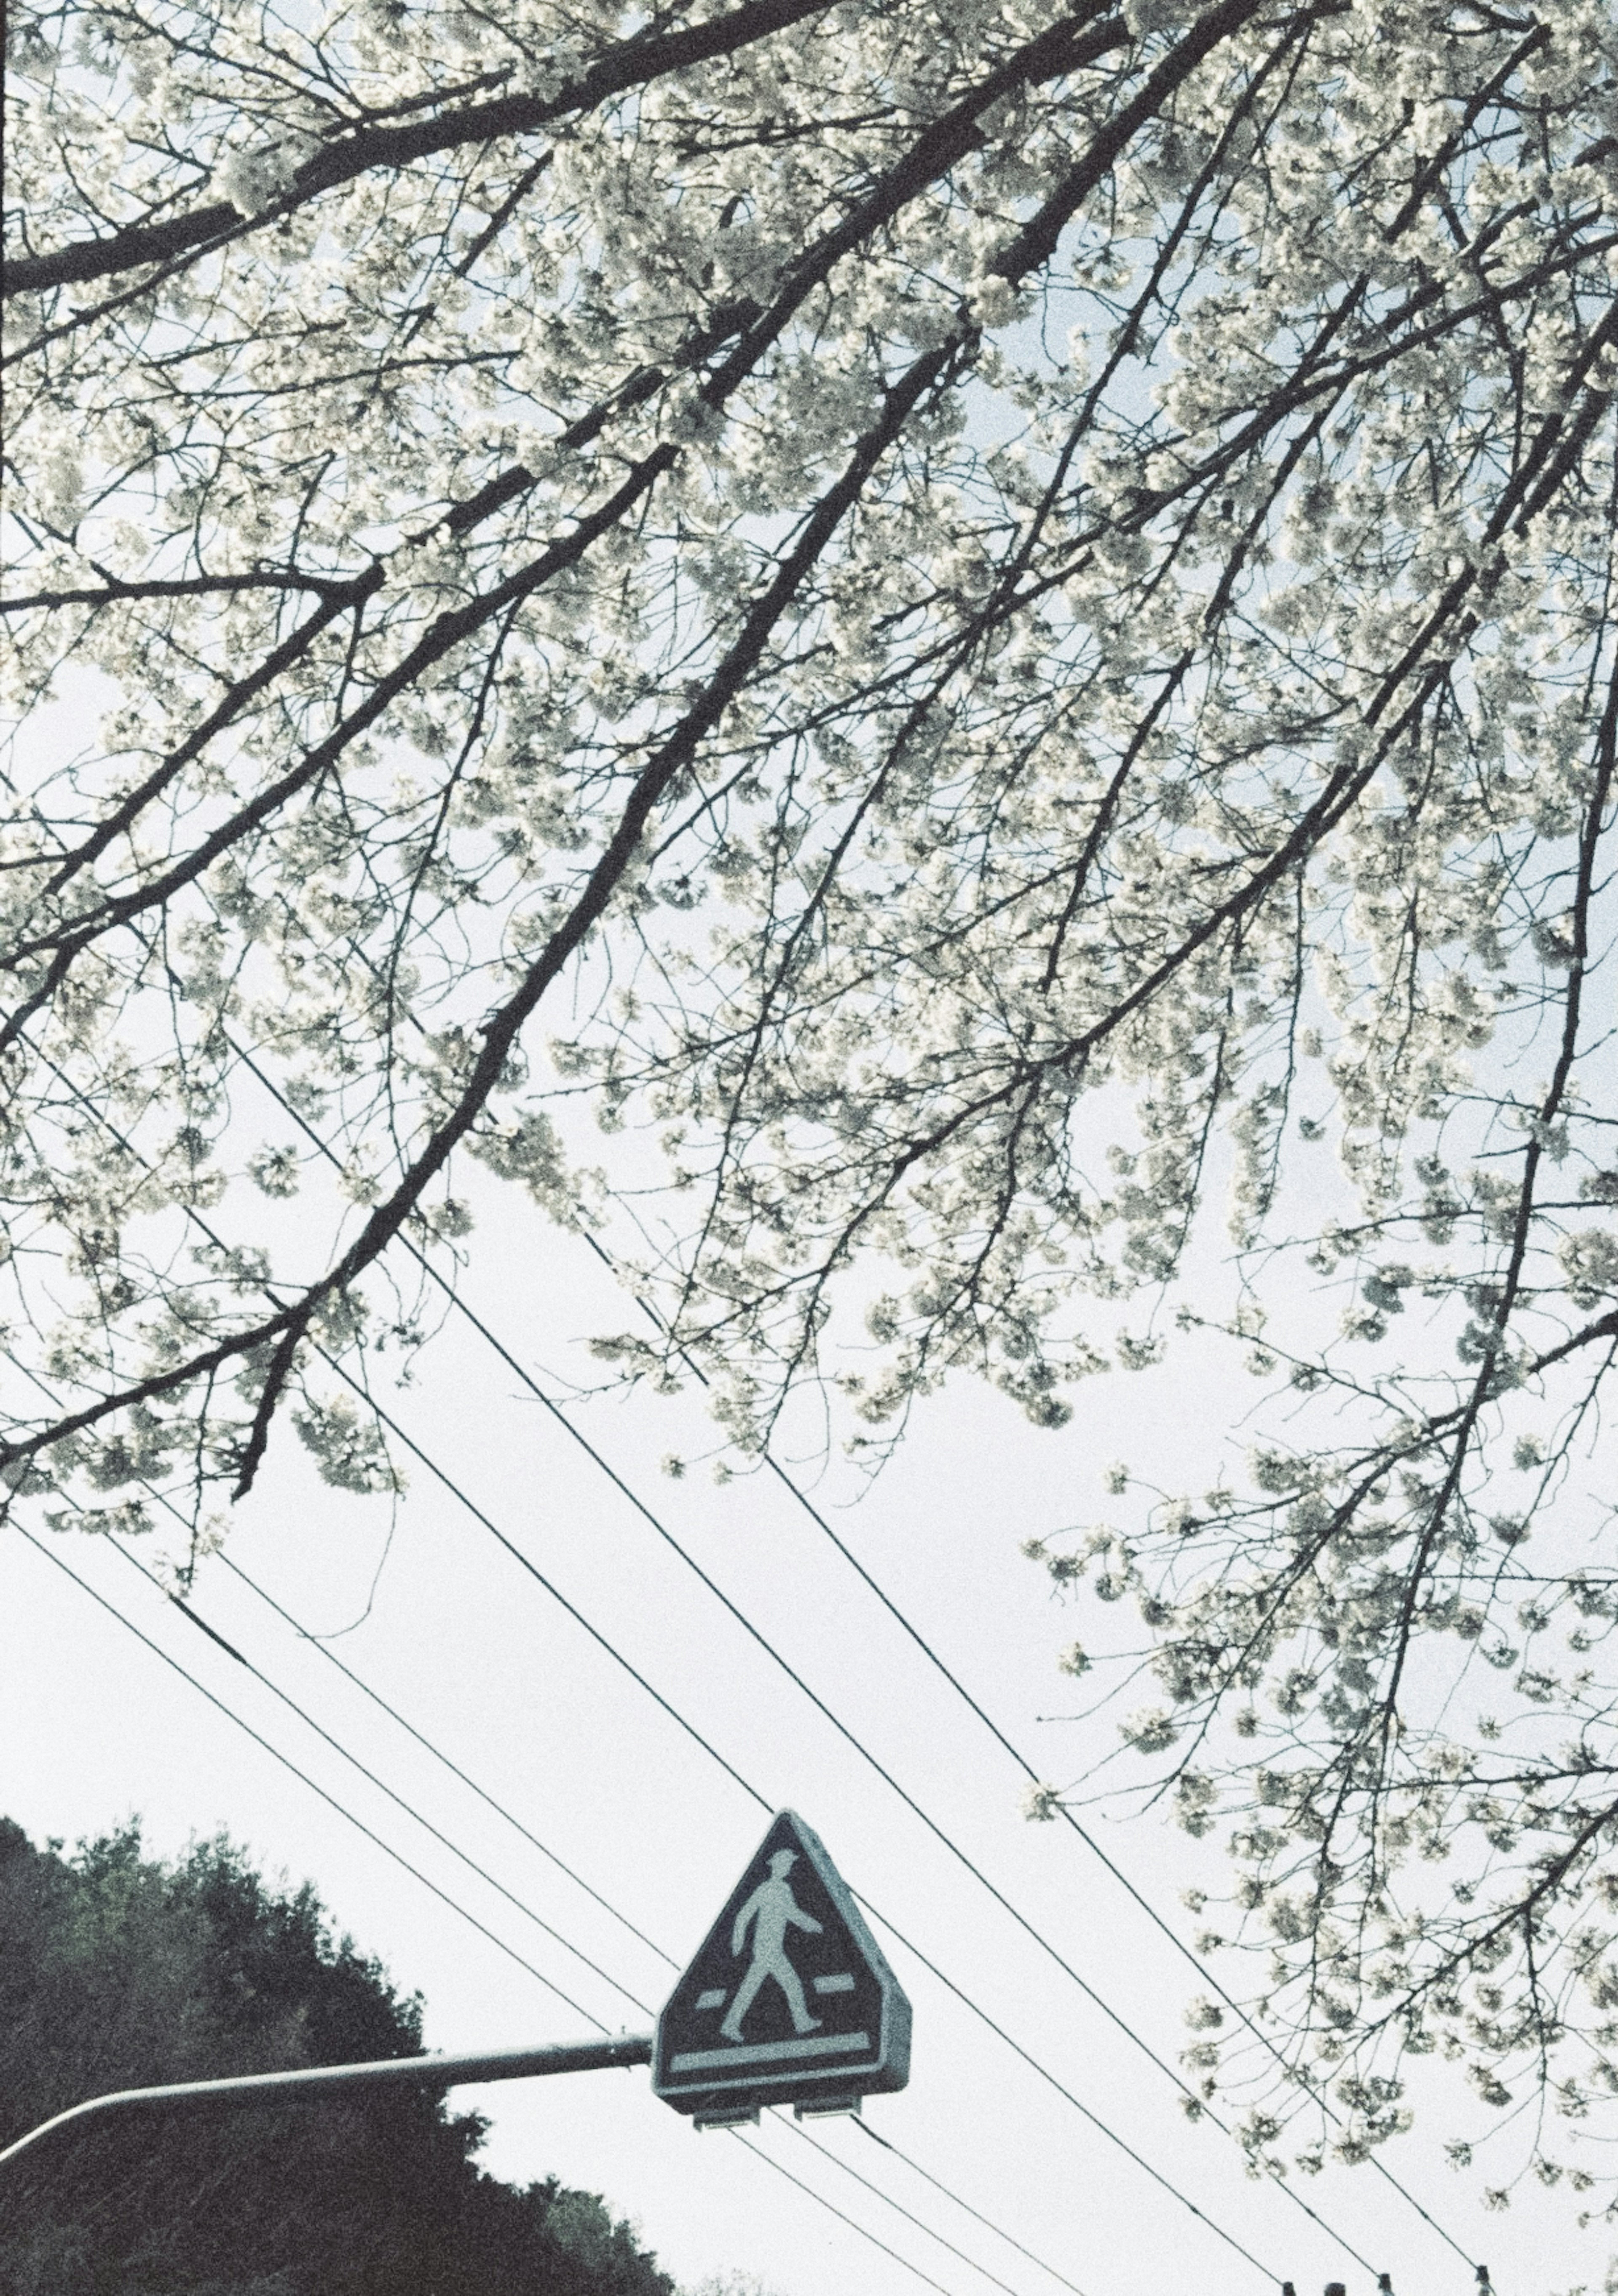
(788, 2000)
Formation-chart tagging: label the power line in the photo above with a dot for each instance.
(719, 1595)
(409, 1809)
(888, 2200)
(988, 2222)
(287, 1763)
(438, 1755)
(759, 2153)
(1204, 1973)
(927, 2177)
(1028, 1771)
(1113, 2136)
(851, 1737)
(231, 1651)
(486, 1523)
(454, 1906)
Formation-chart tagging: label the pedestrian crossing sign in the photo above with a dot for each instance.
(788, 2000)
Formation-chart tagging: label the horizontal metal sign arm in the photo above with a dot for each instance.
(433, 2071)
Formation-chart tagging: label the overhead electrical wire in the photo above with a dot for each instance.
(317, 1644)
(940, 1833)
(303, 1775)
(759, 2153)
(888, 2201)
(464, 1500)
(382, 1787)
(1029, 1772)
(661, 1530)
(483, 1874)
(888, 2146)
(229, 1648)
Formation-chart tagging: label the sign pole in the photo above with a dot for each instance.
(789, 2001)
(320, 2081)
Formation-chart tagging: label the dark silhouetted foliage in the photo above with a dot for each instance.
(116, 1971)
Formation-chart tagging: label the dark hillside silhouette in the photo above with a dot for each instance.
(117, 1971)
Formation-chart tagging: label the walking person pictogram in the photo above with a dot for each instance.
(771, 1911)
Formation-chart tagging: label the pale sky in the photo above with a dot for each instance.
(490, 1668)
